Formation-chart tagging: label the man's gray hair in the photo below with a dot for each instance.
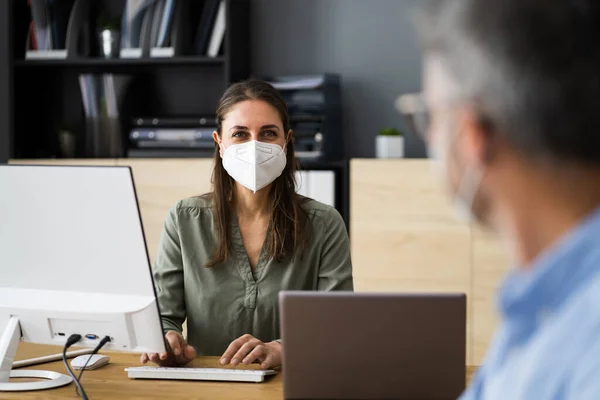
(531, 68)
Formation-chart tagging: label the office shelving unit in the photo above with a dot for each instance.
(40, 97)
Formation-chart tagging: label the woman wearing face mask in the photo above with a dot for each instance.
(224, 256)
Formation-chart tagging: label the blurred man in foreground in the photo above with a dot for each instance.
(511, 104)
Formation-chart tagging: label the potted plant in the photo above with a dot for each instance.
(390, 143)
(109, 36)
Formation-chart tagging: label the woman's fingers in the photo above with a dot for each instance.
(189, 353)
(258, 353)
(234, 347)
(247, 349)
(272, 358)
(244, 351)
(178, 352)
(154, 358)
(174, 340)
(268, 362)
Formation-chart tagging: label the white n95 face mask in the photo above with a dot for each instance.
(463, 196)
(254, 164)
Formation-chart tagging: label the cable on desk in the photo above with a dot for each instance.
(104, 340)
(70, 342)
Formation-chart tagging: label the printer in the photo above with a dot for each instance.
(314, 105)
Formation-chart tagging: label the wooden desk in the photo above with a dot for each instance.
(111, 382)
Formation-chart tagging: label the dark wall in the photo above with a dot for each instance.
(371, 43)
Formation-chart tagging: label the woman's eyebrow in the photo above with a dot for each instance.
(245, 128)
(239, 127)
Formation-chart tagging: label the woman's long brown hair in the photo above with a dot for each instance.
(289, 227)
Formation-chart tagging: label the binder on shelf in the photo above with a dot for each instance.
(218, 32)
(177, 133)
(41, 21)
(150, 28)
(155, 28)
(131, 53)
(46, 55)
(146, 30)
(205, 26)
(48, 36)
(160, 135)
(161, 45)
(162, 52)
(173, 29)
(170, 153)
(165, 23)
(136, 26)
(175, 145)
(176, 122)
(157, 15)
(60, 13)
(199, 144)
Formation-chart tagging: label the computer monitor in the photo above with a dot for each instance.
(73, 260)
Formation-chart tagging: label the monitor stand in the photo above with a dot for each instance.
(8, 348)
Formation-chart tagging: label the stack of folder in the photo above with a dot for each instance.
(48, 28)
(155, 28)
(172, 136)
(162, 27)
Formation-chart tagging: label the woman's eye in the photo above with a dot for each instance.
(239, 134)
(269, 133)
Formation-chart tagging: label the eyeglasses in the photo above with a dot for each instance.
(414, 110)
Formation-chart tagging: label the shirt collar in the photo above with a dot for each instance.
(555, 274)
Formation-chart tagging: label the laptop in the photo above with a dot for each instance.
(345, 345)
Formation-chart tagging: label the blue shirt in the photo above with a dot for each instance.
(548, 345)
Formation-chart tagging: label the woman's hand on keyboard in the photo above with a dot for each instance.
(248, 349)
(179, 352)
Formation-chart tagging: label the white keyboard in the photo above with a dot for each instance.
(199, 374)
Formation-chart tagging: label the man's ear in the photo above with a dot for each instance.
(474, 138)
(217, 139)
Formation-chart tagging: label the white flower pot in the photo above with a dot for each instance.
(389, 147)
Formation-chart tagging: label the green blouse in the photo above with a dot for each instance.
(229, 300)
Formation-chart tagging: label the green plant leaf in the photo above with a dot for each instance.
(104, 22)
(390, 132)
